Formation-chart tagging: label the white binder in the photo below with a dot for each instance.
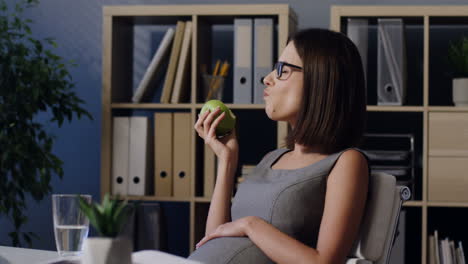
(242, 61)
(139, 154)
(120, 147)
(263, 55)
(391, 62)
(358, 32)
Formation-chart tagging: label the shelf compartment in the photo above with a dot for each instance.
(442, 31)
(201, 215)
(216, 41)
(401, 123)
(407, 244)
(447, 179)
(414, 37)
(176, 220)
(134, 42)
(449, 223)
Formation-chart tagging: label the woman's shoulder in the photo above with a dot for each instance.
(352, 159)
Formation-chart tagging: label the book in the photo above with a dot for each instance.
(431, 250)
(438, 256)
(173, 61)
(181, 88)
(146, 81)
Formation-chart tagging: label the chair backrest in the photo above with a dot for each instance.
(378, 227)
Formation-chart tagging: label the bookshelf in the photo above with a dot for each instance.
(428, 31)
(119, 23)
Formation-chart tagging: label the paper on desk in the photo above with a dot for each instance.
(140, 257)
(154, 256)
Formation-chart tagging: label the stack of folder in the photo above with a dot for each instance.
(253, 38)
(133, 151)
(131, 156)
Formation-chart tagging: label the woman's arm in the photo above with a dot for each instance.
(344, 206)
(226, 150)
(220, 207)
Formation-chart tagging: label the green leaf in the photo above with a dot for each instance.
(33, 80)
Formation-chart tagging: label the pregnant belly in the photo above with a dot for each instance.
(230, 250)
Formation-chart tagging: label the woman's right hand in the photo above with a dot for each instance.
(225, 148)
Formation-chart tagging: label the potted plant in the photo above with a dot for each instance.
(458, 59)
(108, 218)
(33, 81)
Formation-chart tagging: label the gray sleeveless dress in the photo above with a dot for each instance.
(290, 200)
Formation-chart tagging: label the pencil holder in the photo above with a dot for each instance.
(213, 87)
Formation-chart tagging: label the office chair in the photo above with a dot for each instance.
(379, 225)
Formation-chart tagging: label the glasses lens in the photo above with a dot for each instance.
(279, 69)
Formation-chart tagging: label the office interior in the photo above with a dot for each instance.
(77, 27)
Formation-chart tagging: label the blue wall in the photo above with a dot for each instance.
(77, 28)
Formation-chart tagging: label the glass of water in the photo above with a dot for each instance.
(70, 224)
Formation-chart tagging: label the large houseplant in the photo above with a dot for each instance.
(109, 219)
(458, 60)
(33, 80)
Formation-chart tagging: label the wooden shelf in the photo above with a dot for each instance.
(239, 106)
(158, 199)
(447, 109)
(150, 106)
(413, 203)
(387, 108)
(203, 199)
(447, 204)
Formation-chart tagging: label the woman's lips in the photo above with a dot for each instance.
(265, 93)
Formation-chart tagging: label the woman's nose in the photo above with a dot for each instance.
(267, 80)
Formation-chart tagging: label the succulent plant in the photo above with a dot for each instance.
(109, 217)
(458, 57)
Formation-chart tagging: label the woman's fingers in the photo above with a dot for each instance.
(207, 123)
(205, 239)
(212, 131)
(199, 124)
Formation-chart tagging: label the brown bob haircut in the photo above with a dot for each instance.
(333, 106)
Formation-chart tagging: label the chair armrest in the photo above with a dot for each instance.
(357, 261)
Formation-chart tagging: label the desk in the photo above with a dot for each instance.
(12, 255)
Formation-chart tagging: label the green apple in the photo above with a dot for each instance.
(229, 120)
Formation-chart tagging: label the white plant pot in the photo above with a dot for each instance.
(99, 250)
(460, 91)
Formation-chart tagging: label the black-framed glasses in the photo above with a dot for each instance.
(282, 72)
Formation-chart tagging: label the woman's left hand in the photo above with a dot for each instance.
(237, 228)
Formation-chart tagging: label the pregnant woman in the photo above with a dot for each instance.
(302, 203)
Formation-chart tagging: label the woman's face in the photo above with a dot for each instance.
(283, 96)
